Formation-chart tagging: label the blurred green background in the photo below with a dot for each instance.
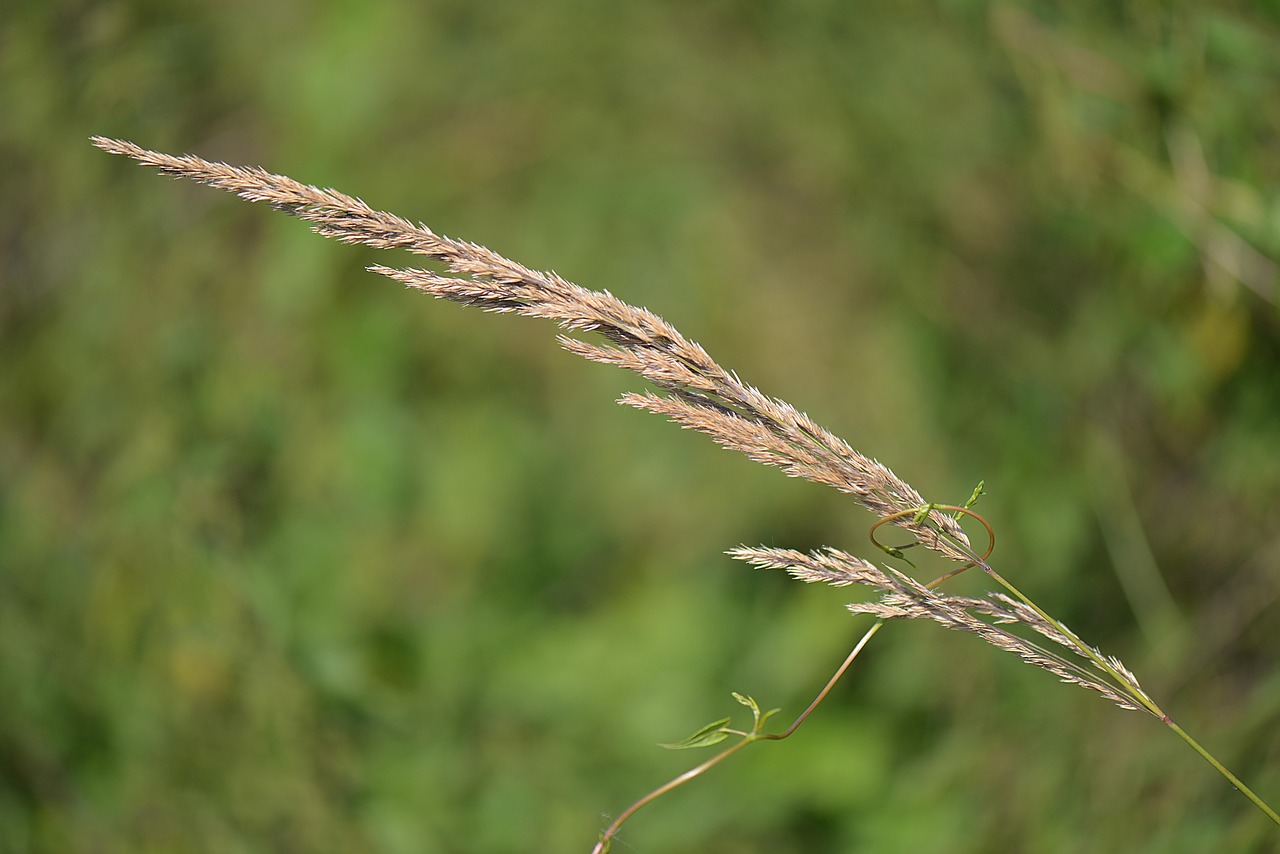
(294, 560)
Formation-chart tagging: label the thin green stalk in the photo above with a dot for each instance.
(606, 838)
(1125, 684)
(1235, 781)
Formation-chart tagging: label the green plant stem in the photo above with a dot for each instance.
(1221, 769)
(606, 838)
(1125, 684)
(831, 683)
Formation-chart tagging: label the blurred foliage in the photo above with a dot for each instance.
(291, 560)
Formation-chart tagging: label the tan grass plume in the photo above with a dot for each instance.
(696, 393)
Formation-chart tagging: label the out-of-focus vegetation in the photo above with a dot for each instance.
(293, 560)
